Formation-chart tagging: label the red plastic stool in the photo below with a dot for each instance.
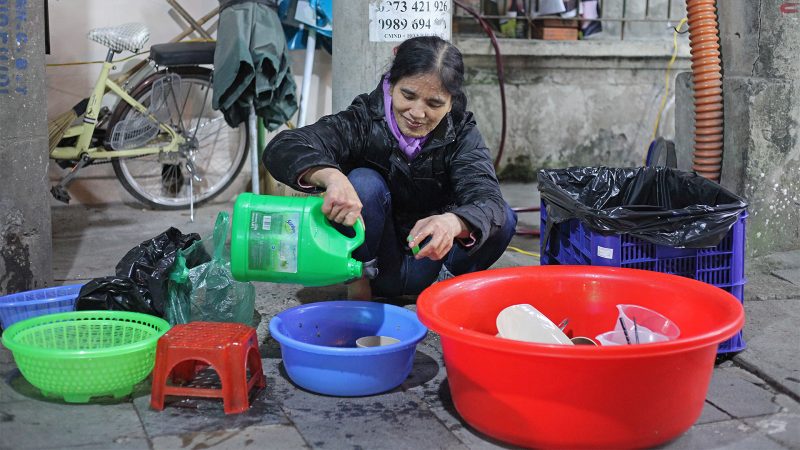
(188, 348)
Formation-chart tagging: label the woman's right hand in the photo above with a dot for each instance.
(341, 203)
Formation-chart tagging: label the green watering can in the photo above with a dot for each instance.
(288, 240)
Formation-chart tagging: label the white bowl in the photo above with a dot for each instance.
(525, 323)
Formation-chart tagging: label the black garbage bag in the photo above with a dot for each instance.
(149, 264)
(661, 205)
(115, 294)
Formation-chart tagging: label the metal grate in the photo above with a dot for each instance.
(618, 19)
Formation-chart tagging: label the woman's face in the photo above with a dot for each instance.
(419, 103)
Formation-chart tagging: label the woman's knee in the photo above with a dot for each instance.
(509, 227)
(369, 184)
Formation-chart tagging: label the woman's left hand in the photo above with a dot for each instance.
(442, 229)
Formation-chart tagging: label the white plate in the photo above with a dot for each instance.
(525, 323)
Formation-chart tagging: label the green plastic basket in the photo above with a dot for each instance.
(84, 354)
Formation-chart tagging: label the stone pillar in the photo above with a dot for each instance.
(760, 43)
(25, 241)
(357, 62)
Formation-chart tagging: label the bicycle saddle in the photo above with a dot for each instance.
(129, 36)
(183, 53)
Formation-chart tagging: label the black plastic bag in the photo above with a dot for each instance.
(150, 263)
(661, 205)
(113, 293)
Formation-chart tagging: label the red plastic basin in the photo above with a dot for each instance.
(544, 395)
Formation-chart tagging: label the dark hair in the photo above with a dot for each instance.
(431, 54)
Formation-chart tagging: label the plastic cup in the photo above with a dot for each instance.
(647, 320)
(618, 337)
(375, 341)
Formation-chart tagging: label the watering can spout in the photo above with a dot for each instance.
(370, 269)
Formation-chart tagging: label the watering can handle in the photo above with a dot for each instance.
(358, 239)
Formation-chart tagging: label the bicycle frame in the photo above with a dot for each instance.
(85, 130)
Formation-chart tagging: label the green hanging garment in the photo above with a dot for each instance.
(252, 66)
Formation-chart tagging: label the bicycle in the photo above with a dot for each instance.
(168, 147)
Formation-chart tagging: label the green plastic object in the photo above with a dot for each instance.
(83, 354)
(288, 240)
(414, 249)
(206, 291)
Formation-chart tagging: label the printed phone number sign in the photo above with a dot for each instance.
(398, 20)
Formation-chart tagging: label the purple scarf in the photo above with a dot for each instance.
(409, 145)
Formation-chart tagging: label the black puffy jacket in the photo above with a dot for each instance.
(452, 173)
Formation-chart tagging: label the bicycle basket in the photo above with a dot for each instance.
(137, 129)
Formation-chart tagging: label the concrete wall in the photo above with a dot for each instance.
(24, 206)
(761, 89)
(589, 102)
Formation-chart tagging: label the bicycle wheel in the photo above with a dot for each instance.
(214, 153)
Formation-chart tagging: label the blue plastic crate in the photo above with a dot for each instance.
(572, 242)
(24, 305)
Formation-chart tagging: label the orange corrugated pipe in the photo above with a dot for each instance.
(707, 79)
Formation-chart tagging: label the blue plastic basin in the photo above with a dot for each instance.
(24, 305)
(318, 344)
